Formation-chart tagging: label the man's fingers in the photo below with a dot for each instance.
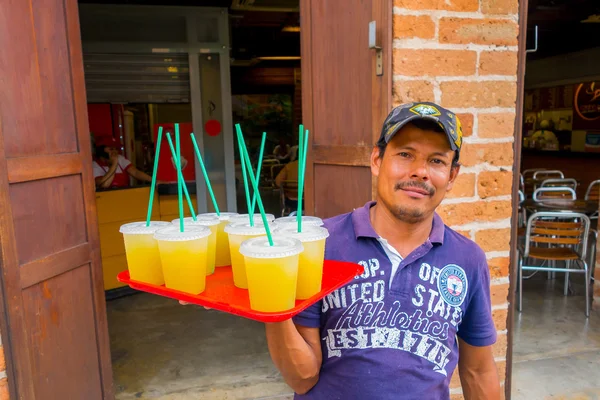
(185, 303)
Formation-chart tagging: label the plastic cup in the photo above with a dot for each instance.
(141, 250)
(310, 266)
(272, 272)
(245, 219)
(222, 258)
(306, 221)
(213, 224)
(237, 234)
(184, 257)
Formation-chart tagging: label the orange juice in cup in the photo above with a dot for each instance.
(306, 220)
(222, 257)
(213, 224)
(237, 234)
(310, 266)
(141, 250)
(245, 218)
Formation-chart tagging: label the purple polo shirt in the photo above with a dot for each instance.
(398, 342)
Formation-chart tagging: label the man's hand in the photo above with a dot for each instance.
(113, 157)
(185, 303)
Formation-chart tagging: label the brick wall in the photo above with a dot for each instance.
(3, 381)
(462, 54)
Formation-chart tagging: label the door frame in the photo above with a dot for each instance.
(522, 59)
(358, 156)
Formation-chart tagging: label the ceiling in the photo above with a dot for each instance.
(253, 34)
(560, 29)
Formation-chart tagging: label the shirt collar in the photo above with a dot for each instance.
(361, 220)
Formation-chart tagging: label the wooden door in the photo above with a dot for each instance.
(53, 321)
(344, 101)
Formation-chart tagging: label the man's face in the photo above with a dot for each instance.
(415, 173)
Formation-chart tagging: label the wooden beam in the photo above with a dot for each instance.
(357, 156)
(24, 169)
(55, 264)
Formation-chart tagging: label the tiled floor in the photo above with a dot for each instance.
(556, 350)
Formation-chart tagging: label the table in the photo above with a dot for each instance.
(588, 207)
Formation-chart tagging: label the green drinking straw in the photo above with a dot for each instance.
(178, 169)
(179, 177)
(240, 142)
(246, 159)
(208, 185)
(301, 146)
(156, 156)
(259, 166)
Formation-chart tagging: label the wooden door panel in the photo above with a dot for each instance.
(344, 101)
(48, 216)
(54, 330)
(60, 321)
(341, 188)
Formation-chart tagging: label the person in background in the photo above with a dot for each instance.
(282, 151)
(545, 138)
(289, 173)
(112, 170)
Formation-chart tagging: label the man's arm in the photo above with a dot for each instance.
(478, 373)
(296, 352)
(104, 181)
(281, 176)
(139, 175)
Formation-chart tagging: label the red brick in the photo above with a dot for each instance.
(466, 234)
(499, 6)
(499, 317)
(496, 125)
(481, 211)
(451, 5)
(409, 91)
(2, 359)
(464, 186)
(494, 183)
(466, 120)
(501, 366)
(4, 395)
(498, 154)
(457, 396)
(498, 63)
(478, 94)
(499, 294)
(493, 239)
(411, 26)
(499, 348)
(497, 32)
(434, 62)
(499, 266)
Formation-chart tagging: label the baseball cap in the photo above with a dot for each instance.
(107, 141)
(405, 113)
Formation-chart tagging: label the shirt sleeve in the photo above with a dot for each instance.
(311, 317)
(97, 169)
(477, 327)
(124, 163)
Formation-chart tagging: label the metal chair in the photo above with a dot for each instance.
(593, 194)
(553, 182)
(553, 237)
(548, 173)
(554, 193)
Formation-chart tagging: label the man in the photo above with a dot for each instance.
(112, 170)
(287, 180)
(422, 305)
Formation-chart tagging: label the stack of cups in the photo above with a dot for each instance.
(237, 234)
(213, 224)
(272, 272)
(222, 257)
(141, 250)
(184, 257)
(310, 267)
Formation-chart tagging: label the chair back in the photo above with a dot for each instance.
(593, 191)
(547, 174)
(553, 193)
(553, 182)
(558, 229)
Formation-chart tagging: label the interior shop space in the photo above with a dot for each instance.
(155, 66)
(560, 182)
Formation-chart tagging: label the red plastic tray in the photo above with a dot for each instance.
(220, 293)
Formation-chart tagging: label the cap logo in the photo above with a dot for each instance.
(425, 110)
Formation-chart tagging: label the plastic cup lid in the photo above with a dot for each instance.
(245, 229)
(310, 233)
(260, 248)
(203, 220)
(306, 220)
(172, 234)
(225, 216)
(140, 228)
(244, 218)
